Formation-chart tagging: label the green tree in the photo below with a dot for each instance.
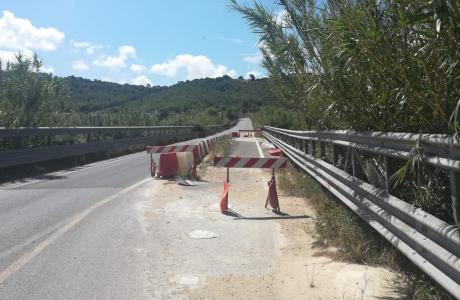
(367, 65)
(27, 97)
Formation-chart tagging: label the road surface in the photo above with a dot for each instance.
(110, 231)
(73, 234)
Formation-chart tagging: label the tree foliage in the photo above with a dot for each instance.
(30, 98)
(27, 97)
(390, 65)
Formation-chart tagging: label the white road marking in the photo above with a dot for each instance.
(261, 153)
(27, 257)
(63, 173)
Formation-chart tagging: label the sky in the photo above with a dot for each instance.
(156, 42)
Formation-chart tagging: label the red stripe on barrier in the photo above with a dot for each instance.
(247, 162)
(269, 163)
(251, 162)
(233, 161)
(217, 160)
(172, 149)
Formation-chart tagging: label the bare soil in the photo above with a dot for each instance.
(301, 269)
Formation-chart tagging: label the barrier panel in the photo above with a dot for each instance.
(186, 156)
(168, 165)
(250, 162)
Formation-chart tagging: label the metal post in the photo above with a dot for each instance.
(313, 148)
(335, 154)
(353, 162)
(321, 150)
(455, 195)
(386, 164)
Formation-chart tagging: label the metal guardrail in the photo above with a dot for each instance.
(430, 243)
(135, 136)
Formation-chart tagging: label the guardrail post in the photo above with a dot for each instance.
(353, 161)
(313, 148)
(321, 150)
(455, 195)
(387, 166)
(335, 153)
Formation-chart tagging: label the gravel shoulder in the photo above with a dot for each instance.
(257, 255)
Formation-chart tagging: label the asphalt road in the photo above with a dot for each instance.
(77, 234)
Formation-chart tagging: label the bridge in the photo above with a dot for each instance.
(107, 230)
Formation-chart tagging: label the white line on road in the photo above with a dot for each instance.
(261, 153)
(24, 259)
(63, 173)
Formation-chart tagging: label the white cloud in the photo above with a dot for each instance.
(114, 62)
(10, 56)
(141, 80)
(79, 65)
(19, 34)
(282, 17)
(137, 68)
(253, 59)
(47, 69)
(88, 47)
(195, 67)
(108, 79)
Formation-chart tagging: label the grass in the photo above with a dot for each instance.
(222, 148)
(356, 242)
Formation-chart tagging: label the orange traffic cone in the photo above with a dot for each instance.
(272, 197)
(224, 198)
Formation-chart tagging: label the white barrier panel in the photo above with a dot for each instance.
(185, 161)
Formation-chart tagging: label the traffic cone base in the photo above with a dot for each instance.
(224, 198)
(272, 197)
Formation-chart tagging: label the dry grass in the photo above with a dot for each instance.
(222, 148)
(336, 226)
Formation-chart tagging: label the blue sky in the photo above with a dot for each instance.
(157, 41)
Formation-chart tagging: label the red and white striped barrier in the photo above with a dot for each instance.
(248, 162)
(169, 149)
(182, 160)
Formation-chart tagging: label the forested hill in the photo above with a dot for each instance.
(224, 94)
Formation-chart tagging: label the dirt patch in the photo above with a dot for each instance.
(302, 269)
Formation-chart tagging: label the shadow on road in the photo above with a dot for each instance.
(280, 216)
(49, 177)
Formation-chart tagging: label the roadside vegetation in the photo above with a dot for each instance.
(30, 98)
(352, 240)
(390, 66)
(224, 148)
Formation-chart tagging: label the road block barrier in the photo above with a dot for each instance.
(187, 157)
(168, 165)
(169, 149)
(275, 152)
(250, 162)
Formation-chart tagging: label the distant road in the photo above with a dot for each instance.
(63, 235)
